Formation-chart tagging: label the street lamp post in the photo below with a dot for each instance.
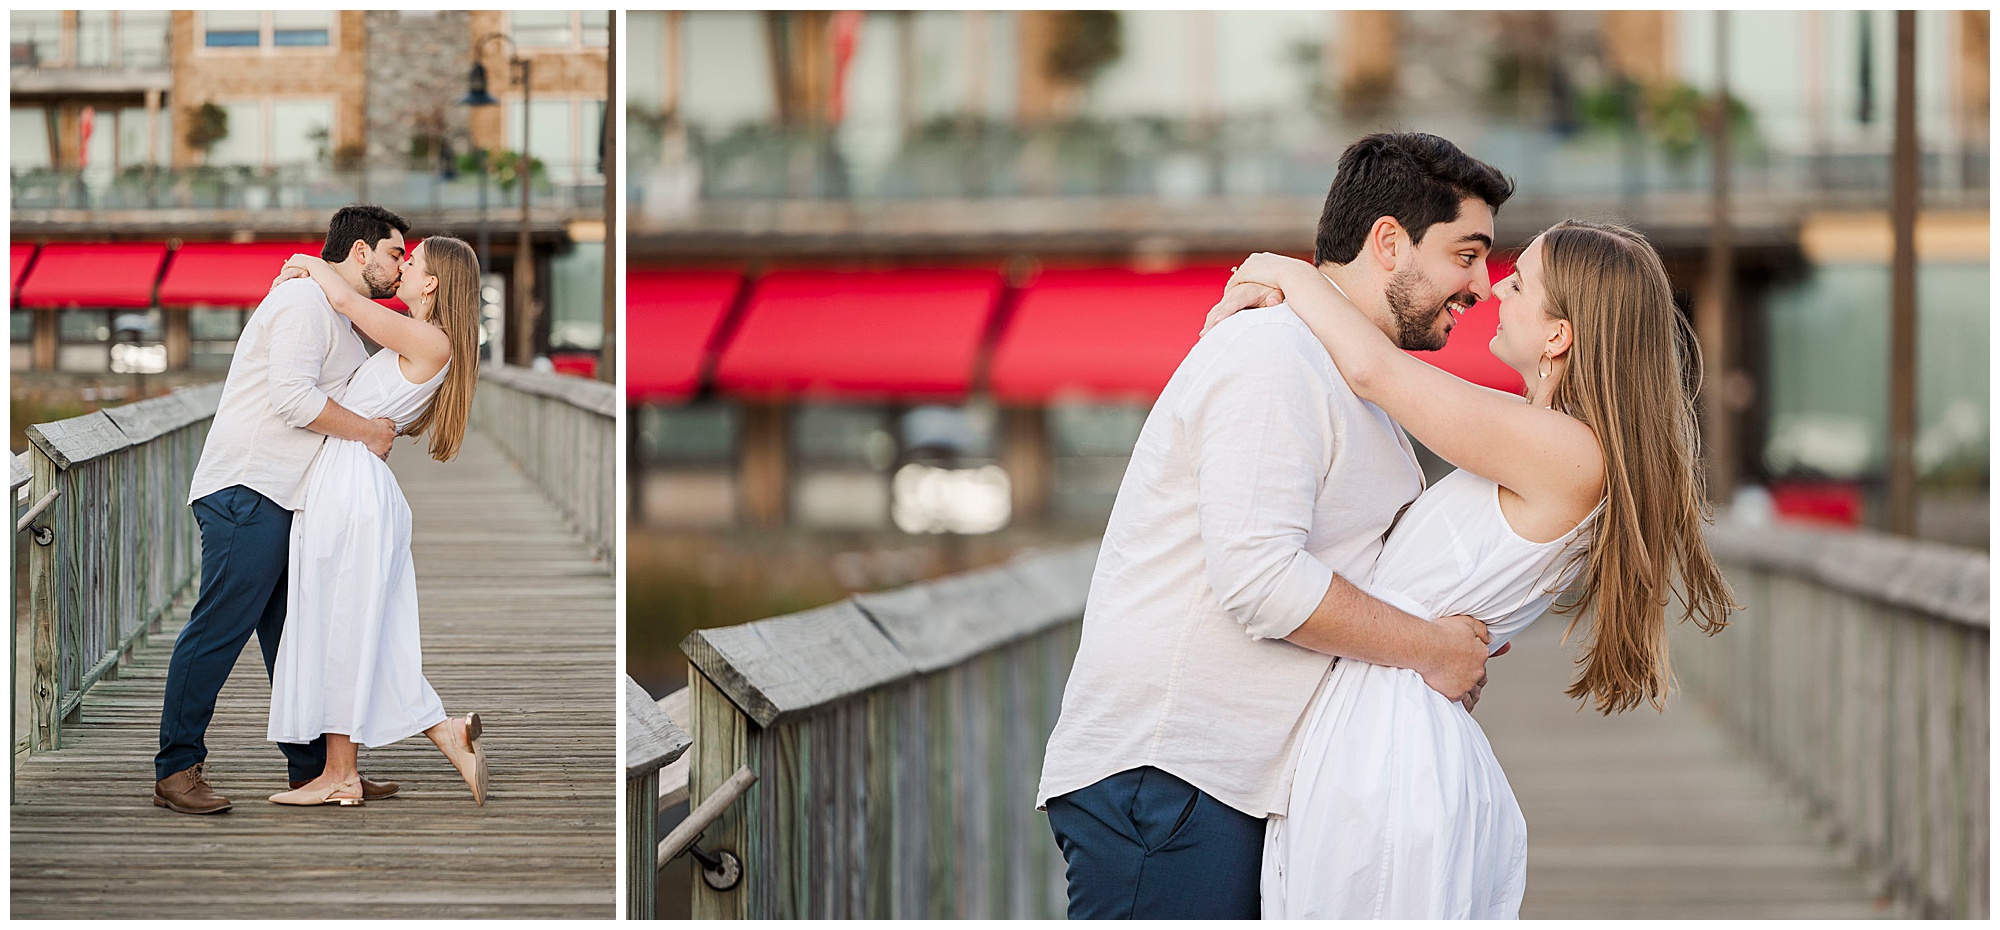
(520, 73)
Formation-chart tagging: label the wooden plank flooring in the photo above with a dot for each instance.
(517, 624)
(1648, 815)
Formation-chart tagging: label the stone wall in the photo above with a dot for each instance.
(418, 63)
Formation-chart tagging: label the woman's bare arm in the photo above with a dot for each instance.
(1536, 453)
(412, 339)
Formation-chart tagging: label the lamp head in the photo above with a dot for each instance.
(475, 94)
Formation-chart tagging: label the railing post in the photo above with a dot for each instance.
(45, 692)
(721, 746)
(652, 740)
(642, 824)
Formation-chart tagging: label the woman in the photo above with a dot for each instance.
(350, 664)
(1398, 808)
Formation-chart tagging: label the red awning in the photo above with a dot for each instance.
(232, 274)
(1466, 354)
(1102, 333)
(1115, 334)
(19, 254)
(226, 274)
(95, 274)
(909, 333)
(670, 323)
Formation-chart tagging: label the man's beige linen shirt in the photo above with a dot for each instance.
(295, 354)
(1257, 476)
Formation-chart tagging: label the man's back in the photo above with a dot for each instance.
(294, 353)
(1258, 473)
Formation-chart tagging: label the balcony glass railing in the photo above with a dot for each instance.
(94, 53)
(292, 188)
(1248, 157)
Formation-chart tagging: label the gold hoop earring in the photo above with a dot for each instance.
(1541, 368)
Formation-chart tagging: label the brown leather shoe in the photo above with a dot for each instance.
(187, 792)
(370, 790)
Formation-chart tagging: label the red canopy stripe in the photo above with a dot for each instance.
(94, 274)
(670, 321)
(909, 333)
(19, 254)
(1102, 333)
(232, 274)
(226, 274)
(1115, 334)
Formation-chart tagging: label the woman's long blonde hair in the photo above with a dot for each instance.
(454, 309)
(1628, 378)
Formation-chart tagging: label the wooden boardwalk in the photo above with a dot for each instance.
(517, 624)
(1647, 815)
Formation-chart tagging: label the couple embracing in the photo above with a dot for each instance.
(1270, 710)
(305, 535)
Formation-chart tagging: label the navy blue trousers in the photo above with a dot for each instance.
(1146, 845)
(246, 542)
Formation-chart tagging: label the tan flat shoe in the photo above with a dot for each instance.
(475, 778)
(309, 797)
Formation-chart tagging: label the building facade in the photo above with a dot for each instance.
(1017, 143)
(245, 129)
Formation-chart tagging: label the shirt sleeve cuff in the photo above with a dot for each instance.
(315, 400)
(1294, 599)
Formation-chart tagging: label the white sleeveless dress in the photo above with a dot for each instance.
(350, 660)
(1398, 808)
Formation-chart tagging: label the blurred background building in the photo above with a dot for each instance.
(163, 164)
(903, 285)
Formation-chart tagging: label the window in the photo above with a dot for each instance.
(275, 134)
(301, 27)
(122, 342)
(843, 455)
(267, 30)
(34, 38)
(104, 38)
(244, 145)
(94, 39)
(28, 142)
(1091, 445)
(697, 434)
(576, 298)
(946, 480)
(563, 134)
(213, 333)
(687, 474)
(542, 27)
(134, 147)
(142, 38)
(646, 42)
(232, 28)
(21, 349)
(560, 28)
(301, 131)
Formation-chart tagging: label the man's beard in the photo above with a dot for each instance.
(377, 288)
(1416, 312)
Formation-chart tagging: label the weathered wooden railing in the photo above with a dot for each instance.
(114, 548)
(653, 741)
(25, 511)
(563, 433)
(895, 743)
(1858, 671)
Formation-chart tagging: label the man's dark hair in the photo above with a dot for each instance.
(1418, 178)
(364, 221)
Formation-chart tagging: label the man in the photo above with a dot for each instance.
(294, 357)
(1257, 497)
